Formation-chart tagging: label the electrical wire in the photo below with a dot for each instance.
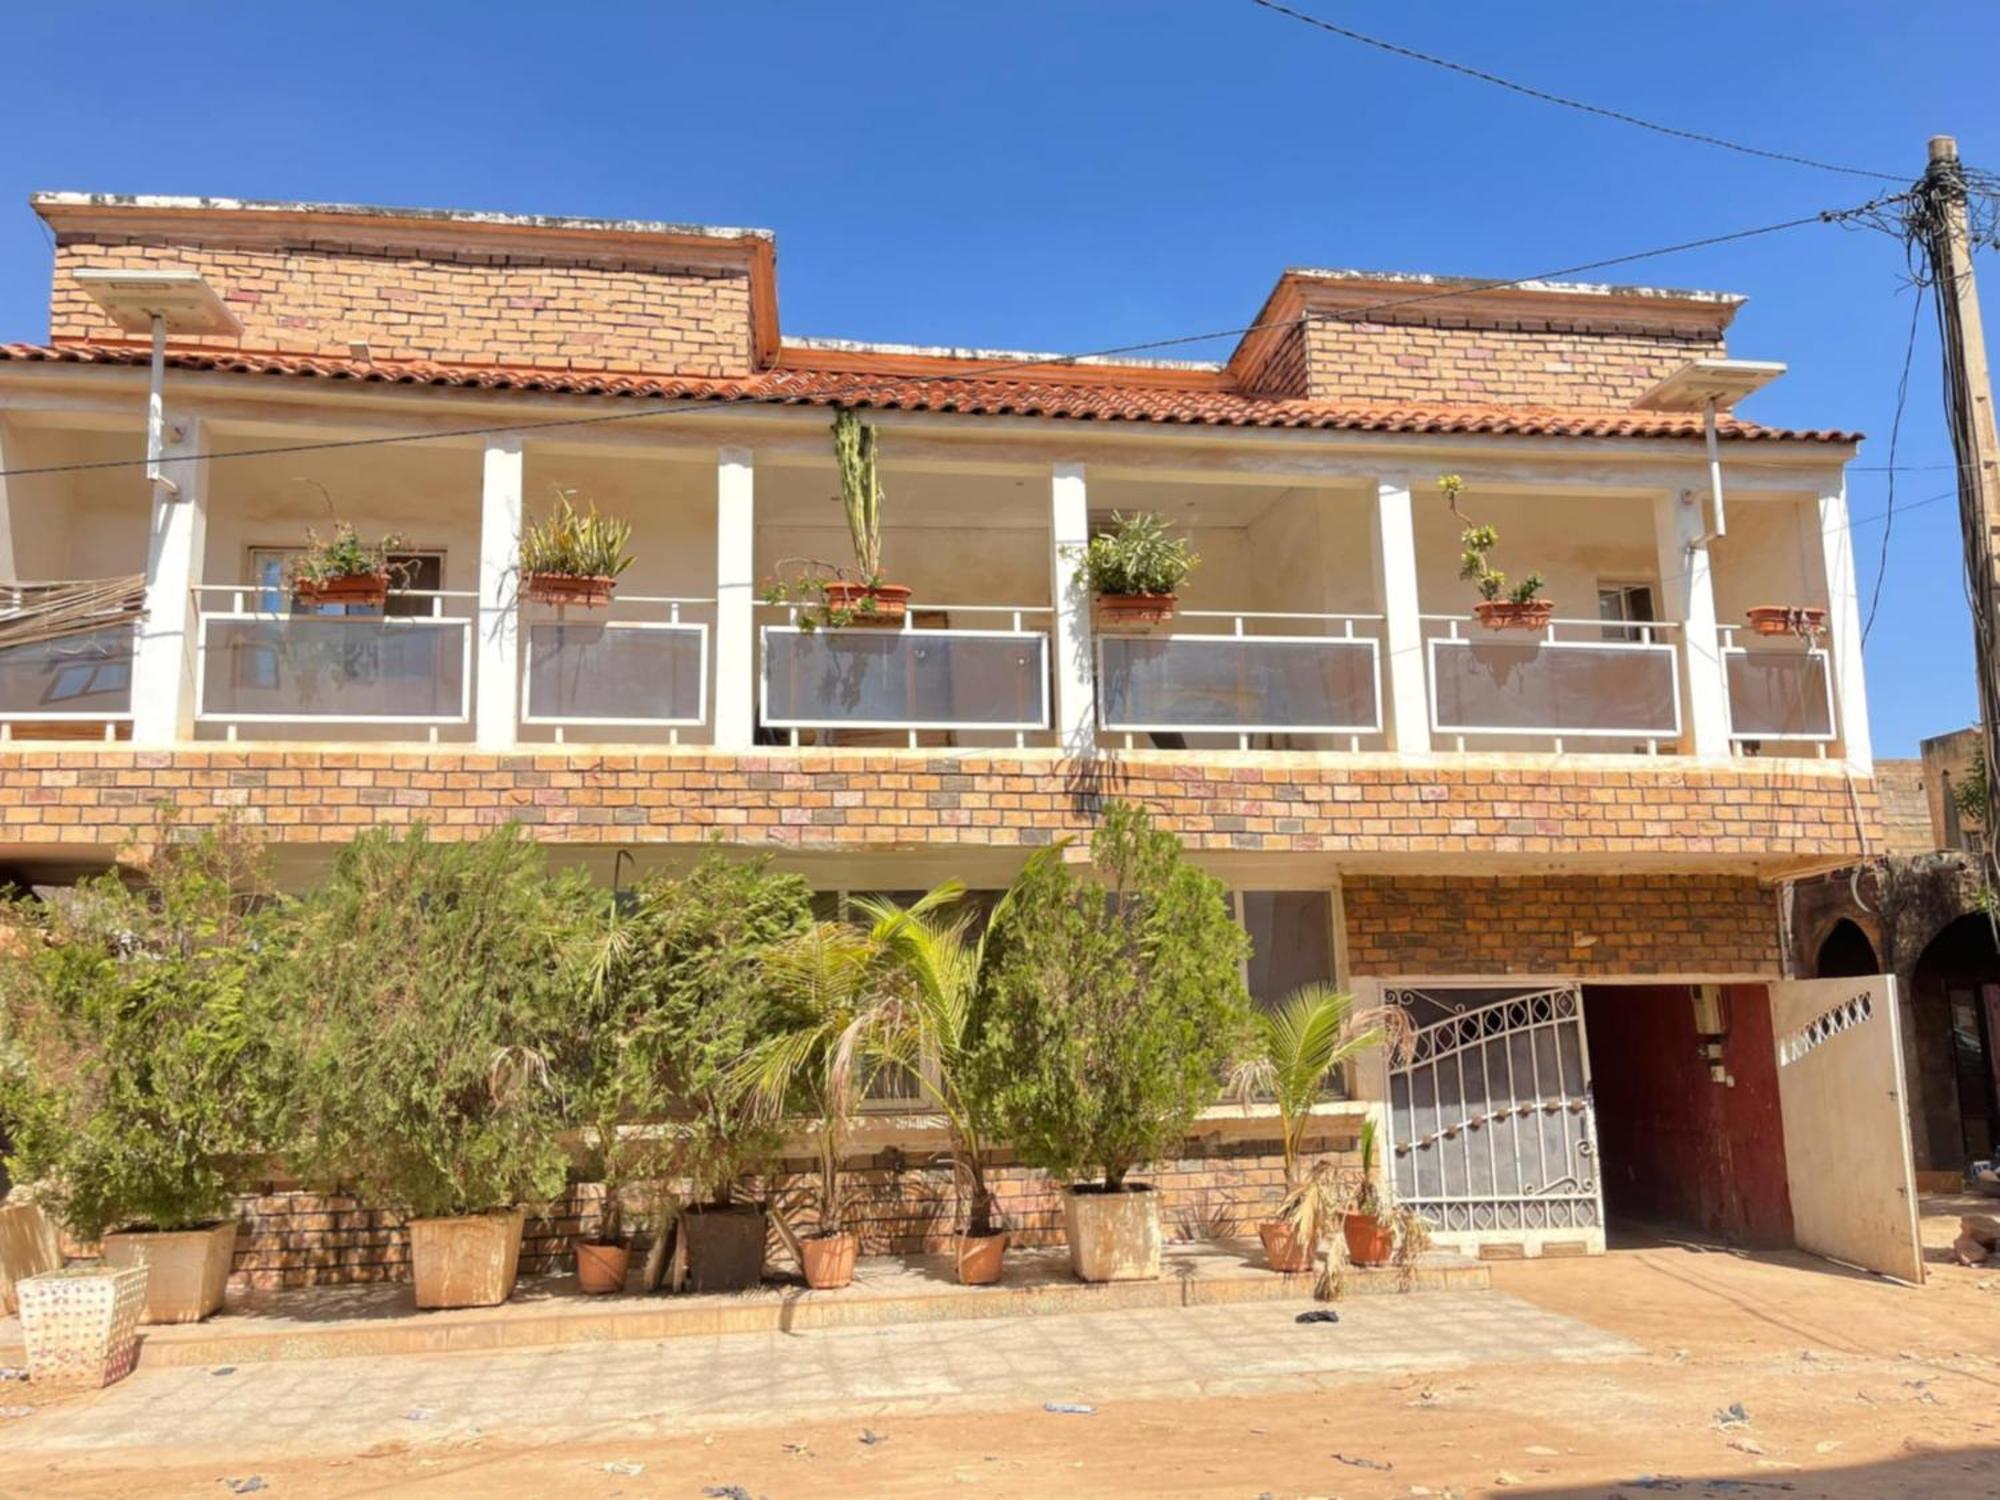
(1412, 54)
(1895, 437)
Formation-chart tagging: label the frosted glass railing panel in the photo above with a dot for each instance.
(616, 673)
(905, 679)
(1779, 695)
(1241, 684)
(304, 668)
(74, 677)
(1539, 686)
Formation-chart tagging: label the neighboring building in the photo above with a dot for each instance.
(1560, 849)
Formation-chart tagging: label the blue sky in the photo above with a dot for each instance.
(1069, 176)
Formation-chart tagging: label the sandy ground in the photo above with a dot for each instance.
(1851, 1387)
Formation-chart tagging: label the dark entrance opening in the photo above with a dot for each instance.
(1680, 1150)
(1955, 1021)
(1846, 953)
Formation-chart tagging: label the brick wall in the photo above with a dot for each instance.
(1635, 924)
(517, 308)
(884, 799)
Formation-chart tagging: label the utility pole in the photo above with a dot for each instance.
(1969, 412)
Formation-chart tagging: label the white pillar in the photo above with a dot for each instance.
(9, 573)
(1687, 588)
(1843, 627)
(735, 682)
(1075, 702)
(497, 706)
(163, 663)
(1406, 698)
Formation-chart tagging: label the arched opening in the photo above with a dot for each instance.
(1846, 953)
(1955, 1006)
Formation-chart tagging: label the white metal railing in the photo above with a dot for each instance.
(587, 669)
(258, 662)
(911, 678)
(1782, 690)
(1240, 680)
(84, 678)
(1622, 685)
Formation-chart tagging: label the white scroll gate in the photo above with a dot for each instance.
(1492, 1132)
(1847, 1130)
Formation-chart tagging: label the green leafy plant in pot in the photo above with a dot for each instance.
(572, 556)
(1114, 1001)
(1136, 569)
(1377, 1229)
(429, 992)
(136, 1074)
(831, 594)
(344, 569)
(1499, 607)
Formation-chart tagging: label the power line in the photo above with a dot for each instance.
(1895, 437)
(1411, 53)
(863, 382)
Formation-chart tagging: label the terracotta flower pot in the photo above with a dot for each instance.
(1113, 1236)
(186, 1269)
(587, 589)
(1370, 1241)
(1505, 614)
(1786, 619)
(1283, 1249)
(886, 603)
(829, 1260)
(349, 588)
(981, 1258)
(600, 1269)
(1136, 609)
(465, 1262)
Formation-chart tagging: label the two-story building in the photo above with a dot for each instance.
(1559, 847)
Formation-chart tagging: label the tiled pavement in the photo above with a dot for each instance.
(761, 1378)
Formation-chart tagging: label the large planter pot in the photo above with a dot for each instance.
(81, 1326)
(1786, 619)
(1113, 1236)
(1283, 1249)
(981, 1258)
(725, 1247)
(587, 589)
(28, 1246)
(869, 604)
(1505, 614)
(829, 1260)
(1122, 611)
(1370, 1241)
(186, 1269)
(351, 588)
(465, 1262)
(600, 1269)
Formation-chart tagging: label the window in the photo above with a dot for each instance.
(1625, 602)
(1291, 944)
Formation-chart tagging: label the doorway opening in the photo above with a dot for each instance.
(1845, 953)
(1955, 1021)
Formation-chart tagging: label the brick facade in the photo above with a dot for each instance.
(1590, 925)
(886, 799)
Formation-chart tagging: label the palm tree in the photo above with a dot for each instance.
(1312, 1032)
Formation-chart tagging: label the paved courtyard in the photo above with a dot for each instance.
(684, 1384)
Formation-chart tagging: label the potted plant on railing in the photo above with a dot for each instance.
(1802, 620)
(426, 989)
(1114, 1002)
(1499, 607)
(135, 1071)
(1296, 1048)
(939, 1044)
(835, 998)
(691, 997)
(343, 569)
(1136, 569)
(572, 556)
(844, 596)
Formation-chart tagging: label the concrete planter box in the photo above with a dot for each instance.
(186, 1269)
(1113, 1236)
(465, 1262)
(28, 1247)
(81, 1326)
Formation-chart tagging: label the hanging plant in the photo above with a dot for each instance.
(1136, 569)
(1499, 607)
(572, 556)
(1803, 620)
(343, 569)
(843, 596)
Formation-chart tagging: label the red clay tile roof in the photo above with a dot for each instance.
(1023, 393)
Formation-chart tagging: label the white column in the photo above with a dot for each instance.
(1843, 627)
(1406, 697)
(735, 682)
(8, 571)
(163, 664)
(1075, 701)
(497, 706)
(1687, 590)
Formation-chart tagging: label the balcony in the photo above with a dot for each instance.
(1566, 683)
(75, 682)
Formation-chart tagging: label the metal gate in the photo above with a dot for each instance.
(1491, 1125)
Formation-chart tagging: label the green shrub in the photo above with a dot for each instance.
(134, 1031)
(1114, 1003)
(1137, 557)
(576, 544)
(433, 993)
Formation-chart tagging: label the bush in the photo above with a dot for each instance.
(432, 994)
(1114, 1003)
(1137, 557)
(134, 1063)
